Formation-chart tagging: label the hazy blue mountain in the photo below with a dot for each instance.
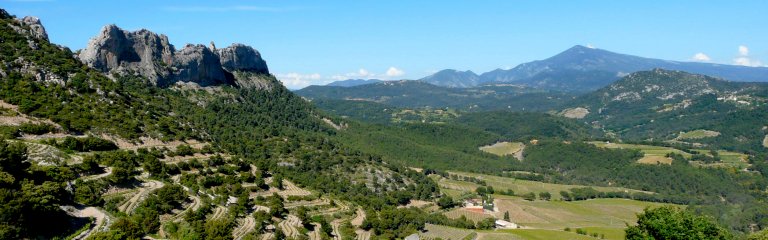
(453, 78)
(584, 69)
(352, 82)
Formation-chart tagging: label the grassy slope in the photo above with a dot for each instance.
(503, 148)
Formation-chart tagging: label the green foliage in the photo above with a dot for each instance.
(86, 144)
(30, 196)
(37, 129)
(434, 146)
(417, 94)
(446, 202)
(673, 223)
(523, 125)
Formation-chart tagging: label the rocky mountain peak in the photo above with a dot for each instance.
(151, 55)
(38, 31)
(240, 57)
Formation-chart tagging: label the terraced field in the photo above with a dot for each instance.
(653, 154)
(290, 226)
(292, 190)
(218, 212)
(144, 190)
(244, 226)
(45, 154)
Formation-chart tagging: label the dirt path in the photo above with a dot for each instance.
(102, 220)
(133, 202)
(363, 235)
(292, 190)
(267, 236)
(218, 212)
(107, 172)
(335, 225)
(359, 217)
(315, 235)
(245, 225)
(318, 202)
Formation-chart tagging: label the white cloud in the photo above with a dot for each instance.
(743, 50)
(360, 74)
(744, 59)
(298, 80)
(589, 45)
(394, 72)
(701, 57)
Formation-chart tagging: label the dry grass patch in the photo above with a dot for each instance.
(697, 134)
(432, 231)
(654, 159)
(503, 148)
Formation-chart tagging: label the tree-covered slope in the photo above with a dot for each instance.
(660, 104)
(265, 126)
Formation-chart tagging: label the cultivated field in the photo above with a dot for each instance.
(653, 154)
(697, 134)
(504, 148)
(519, 186)
(432, 231)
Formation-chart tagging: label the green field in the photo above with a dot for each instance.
(503, 148)
(542, 234)
(648, 150)
(697, 134)
(519, 186)
(653, 153)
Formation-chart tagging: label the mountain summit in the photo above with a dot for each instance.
(151, 55)
(583, 68)
(453, 78)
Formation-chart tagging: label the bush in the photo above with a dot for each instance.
(670, 222)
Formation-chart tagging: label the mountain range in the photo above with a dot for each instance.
(583, 69)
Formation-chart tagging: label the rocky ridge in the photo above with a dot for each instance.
(151, 55)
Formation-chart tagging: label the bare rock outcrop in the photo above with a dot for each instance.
(150, 55)
(240, 57)
(198, 64)
(141, 52)
(36, 27)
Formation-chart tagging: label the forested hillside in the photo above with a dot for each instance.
(267, 127)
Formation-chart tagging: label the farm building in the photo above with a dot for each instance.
(505, 224)
(412, 237)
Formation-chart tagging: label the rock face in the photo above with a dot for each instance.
(198, 64)
(141, 52)
(37, 28)
(240, 57)
(151, 55)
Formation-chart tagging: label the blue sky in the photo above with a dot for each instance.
(314, 42)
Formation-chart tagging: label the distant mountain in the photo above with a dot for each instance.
(583, 69)
(352, 82)
(412, 94)
(453, 78)
(659, 104)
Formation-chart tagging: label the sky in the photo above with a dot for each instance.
(317, 42)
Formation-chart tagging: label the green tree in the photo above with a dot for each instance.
(446, 202)
(545, 196)
(506, 216)
(529, 196)
(671, 222)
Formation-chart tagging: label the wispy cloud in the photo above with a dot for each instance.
(701, 57)
(239, 8)
(298, 80)
(744, 59)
